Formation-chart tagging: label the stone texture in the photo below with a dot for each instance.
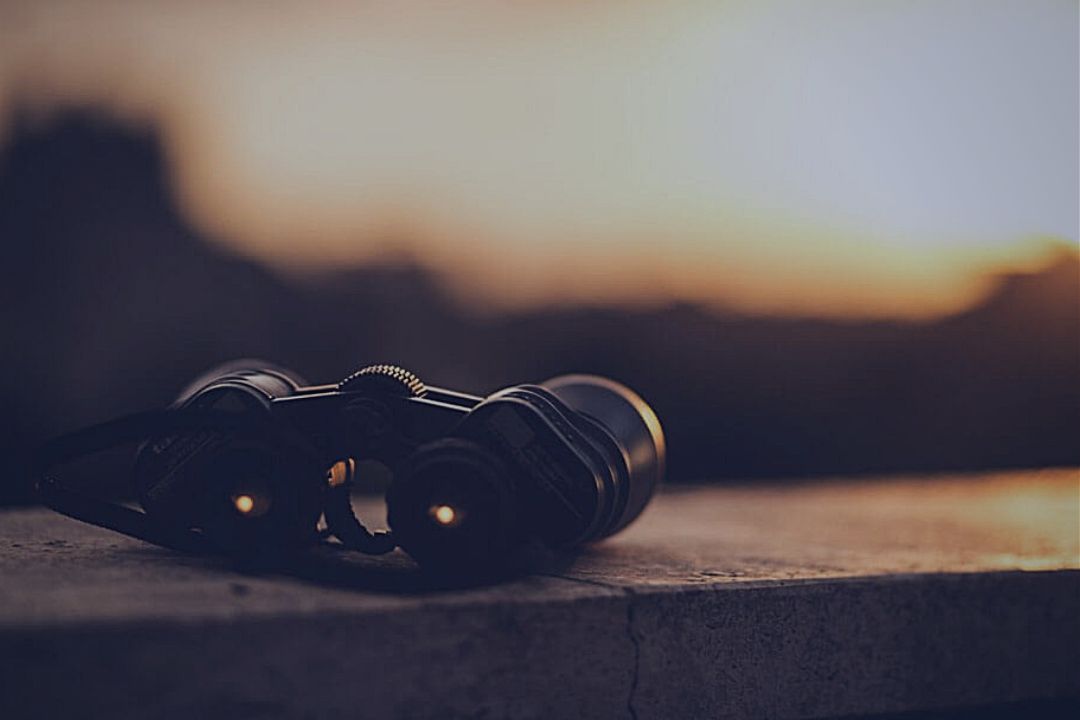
(789, 601)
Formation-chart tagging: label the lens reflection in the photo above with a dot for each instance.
(444, 515)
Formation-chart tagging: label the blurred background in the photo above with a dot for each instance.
(820, 238)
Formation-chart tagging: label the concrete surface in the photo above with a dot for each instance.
(797, 601)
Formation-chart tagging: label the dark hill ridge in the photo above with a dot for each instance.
(111, 302)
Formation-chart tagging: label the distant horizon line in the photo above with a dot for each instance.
(387, 244)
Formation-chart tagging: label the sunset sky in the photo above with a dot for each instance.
(835, 157)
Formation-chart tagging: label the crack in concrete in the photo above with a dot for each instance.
(637, 653)
(630, 595)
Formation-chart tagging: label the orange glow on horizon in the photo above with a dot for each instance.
(604, 154)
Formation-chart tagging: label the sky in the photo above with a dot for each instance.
(838, 157)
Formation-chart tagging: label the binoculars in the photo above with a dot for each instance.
(252, 462)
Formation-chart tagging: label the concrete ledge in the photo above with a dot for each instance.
(805, 601)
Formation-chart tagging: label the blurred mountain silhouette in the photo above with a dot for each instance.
(111, 302)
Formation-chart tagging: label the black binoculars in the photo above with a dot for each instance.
(252, 462)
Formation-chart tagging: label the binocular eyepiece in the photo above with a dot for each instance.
(249, 459)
